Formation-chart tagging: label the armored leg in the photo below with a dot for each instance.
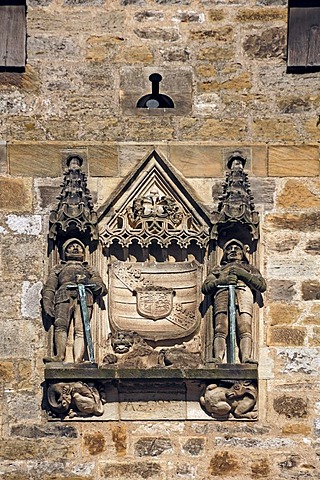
(79, 345)
(245, 337)
(220, 335)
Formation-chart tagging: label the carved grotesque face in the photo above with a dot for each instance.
(74, 251)
(234, 253)
(122, 342)
(74, 163)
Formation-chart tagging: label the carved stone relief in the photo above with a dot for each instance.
(158, 246)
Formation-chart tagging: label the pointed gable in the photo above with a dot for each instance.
(154, 204)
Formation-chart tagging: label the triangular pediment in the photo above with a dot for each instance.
(154, 204)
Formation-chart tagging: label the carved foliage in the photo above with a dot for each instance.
(154, 206)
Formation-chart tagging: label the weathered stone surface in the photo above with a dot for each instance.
(311, 290)
(260, 468)
(199, 161)
(294, 336)
(134, 470)
(261, 15)
(119, 437)
(103, 160)
(303, 360)
(21, 260)
(216, 15)
(194, 446)
(268, 44)
(189, 17)
(246, 442)
(291, 407)
(15, 194)
(296, 195)
(276, 128)
(282, 313)
(30, 300)
(6, 371)
(3, 158)
(223, 34)
(281, 291)
(314, 340)
(40, 431)
(11, 344)
(301, 222)
(296, 429)
(210, 129)
(95, 443)
(162, 34)
(313, 246)
(223, 463)
(294, 161)
(152, 447)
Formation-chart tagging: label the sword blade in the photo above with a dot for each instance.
(86, 320)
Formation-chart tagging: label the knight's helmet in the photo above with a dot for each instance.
(73, 249)
(243, 247)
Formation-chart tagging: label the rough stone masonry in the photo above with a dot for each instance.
(223, 62)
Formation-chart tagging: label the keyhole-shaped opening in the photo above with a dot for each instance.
(155, 99)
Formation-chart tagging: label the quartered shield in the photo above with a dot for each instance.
(159, 301)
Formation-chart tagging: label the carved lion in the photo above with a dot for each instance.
(75, 399)
(238, 401)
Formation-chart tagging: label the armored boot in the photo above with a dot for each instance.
(219, 348)
(60, 340)
(245, 350)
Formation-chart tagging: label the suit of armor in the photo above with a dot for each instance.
(234, 270)
(61, 299)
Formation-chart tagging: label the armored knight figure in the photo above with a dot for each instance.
(234, 269)
(60, 297)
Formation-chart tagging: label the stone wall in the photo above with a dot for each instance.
(223, 62)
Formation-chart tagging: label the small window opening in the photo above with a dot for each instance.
(155, 99)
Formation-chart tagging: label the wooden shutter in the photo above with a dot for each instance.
(304, 34)
(12, 34)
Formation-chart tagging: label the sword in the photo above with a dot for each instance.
(232, 321)
(85, 315)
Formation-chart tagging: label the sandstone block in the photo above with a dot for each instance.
(194, 446)
(40, 431)
(236, 84)
(15, 194)
(214, 54)
(135, 55)
(6, 371)
(148, 15)
(152, 446)
(21, 260)
(294, 161)
(158, 34)
(11, 344)
(281, 291)
(314, 340)
(213, 129)
(312, 319)
(119, 437)
(311, 290)
(139, 470)
(278, 128)
(300, 360)
(261, 15)
(311, 128)
(301, 222)
(283, 314)
(103, 160)
(285, 336)
(268, 44)
(175, 54)
(31, 299)
(41, 160)
(3, 158)
(216, 15)
(223, 34)
(223, 463)
(260, 468)
(297, 195)
(296, 429)
(197, 160)
(313, 246)
(95, 443)
(291, 407)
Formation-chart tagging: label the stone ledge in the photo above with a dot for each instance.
(217, 372)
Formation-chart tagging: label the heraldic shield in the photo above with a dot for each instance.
(159, 301)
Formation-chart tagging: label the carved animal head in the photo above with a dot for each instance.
(122, 342)
(240, 389)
